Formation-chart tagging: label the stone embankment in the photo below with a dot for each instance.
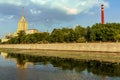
(92, 47)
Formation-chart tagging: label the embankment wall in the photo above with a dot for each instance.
(97, 47)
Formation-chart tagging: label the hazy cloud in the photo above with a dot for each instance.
(11, 17)
(36, 12)
(18, 2)
(15, 2)
(69, 6)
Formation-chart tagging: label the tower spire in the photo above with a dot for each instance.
(22, 11)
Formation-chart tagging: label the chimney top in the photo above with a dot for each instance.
(102, 4)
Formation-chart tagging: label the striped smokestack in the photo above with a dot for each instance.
(102, 14)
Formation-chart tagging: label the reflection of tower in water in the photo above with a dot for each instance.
(24, 65)
(19, 63)
(4, 54)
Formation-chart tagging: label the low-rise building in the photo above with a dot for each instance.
(31, 31)
(6, 38)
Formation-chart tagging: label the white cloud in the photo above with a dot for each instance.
(18, 2)
(71, 7)
(15, 2)
(11, 17)
(33, 11)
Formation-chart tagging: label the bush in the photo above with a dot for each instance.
(43, 41)
(81, 40)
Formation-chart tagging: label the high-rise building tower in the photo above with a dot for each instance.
(102, 14)
(22, 24)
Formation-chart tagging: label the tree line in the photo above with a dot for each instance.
(109, 32)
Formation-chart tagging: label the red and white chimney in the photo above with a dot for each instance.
(102, 14)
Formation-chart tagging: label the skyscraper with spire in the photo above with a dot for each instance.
(22, 24)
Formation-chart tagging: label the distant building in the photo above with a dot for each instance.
(22, 24)
(7, 37)
(31, 31)
(4, 39)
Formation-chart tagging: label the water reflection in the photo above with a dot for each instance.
(4, 54)
(96, 67)
(102, 69)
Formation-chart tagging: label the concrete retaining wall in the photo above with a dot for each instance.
(103, 47)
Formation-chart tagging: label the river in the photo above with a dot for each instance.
(28, 67)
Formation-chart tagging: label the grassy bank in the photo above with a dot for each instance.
(100, 56)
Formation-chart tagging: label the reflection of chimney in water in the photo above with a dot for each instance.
(102, 14)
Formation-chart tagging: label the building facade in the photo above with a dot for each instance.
(31, 31)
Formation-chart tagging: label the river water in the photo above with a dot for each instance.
(26, 67)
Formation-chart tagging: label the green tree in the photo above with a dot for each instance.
(69, 34)
(106, 32)
(97, 32)
(117, 37)
(57, 36)
(20, 35)
(88, 34)
(14, 40)
(72, 36)
(80, 32)
(0, 41)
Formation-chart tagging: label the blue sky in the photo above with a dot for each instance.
(49, 14)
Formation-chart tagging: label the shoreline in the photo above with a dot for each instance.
(74, 47)
(98, 56)
(109, 52)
